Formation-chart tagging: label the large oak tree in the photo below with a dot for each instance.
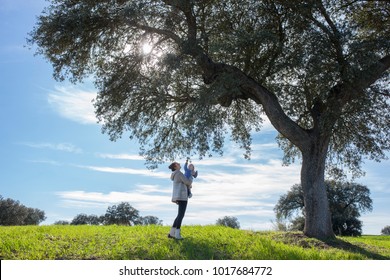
(319, 70)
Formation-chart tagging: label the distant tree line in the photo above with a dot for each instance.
(13, 213)
(121, 214)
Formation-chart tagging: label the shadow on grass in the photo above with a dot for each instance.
(295, 238)
(196, 249)
(353, 248)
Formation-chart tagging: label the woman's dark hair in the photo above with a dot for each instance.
(172, 166)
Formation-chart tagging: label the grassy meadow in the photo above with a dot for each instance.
(200, 243)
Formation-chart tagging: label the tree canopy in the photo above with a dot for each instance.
(228, 221)
(318, 69)
(121, 214)
(386, 230)
(83, 219)
(13, 213)
(304, 52)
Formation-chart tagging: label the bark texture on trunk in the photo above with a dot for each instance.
(318, 222)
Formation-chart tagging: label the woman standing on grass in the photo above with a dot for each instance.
(179, 196)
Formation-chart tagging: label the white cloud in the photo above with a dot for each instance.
(252, 176)
(125, 170)
(121, 156)
(74, 104)
(44, 161)
(145, 198)
(64, 147)
(112, 197)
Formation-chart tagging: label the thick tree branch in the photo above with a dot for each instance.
(187, 8)
(334, 36)
(326, 113)
(343, 93)
(249, 87)
(274, 111)
(370, 75)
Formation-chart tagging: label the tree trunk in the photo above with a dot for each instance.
(314, 147)
(318, 222)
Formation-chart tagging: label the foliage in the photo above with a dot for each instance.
(84, 219)
(298, 224)
(121, 214)
(12, 212)
(346, 201)
(228, 222)
(61, 223)
(199, 243)
(150, 220)
(305, 53)
(386, 230)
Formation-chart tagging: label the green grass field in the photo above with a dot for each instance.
(200, 243)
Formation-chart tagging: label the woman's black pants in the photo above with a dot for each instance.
(182, 206)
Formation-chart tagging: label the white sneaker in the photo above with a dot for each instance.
(177, 234)
(171, 234)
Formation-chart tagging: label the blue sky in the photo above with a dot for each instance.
(54, 157)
